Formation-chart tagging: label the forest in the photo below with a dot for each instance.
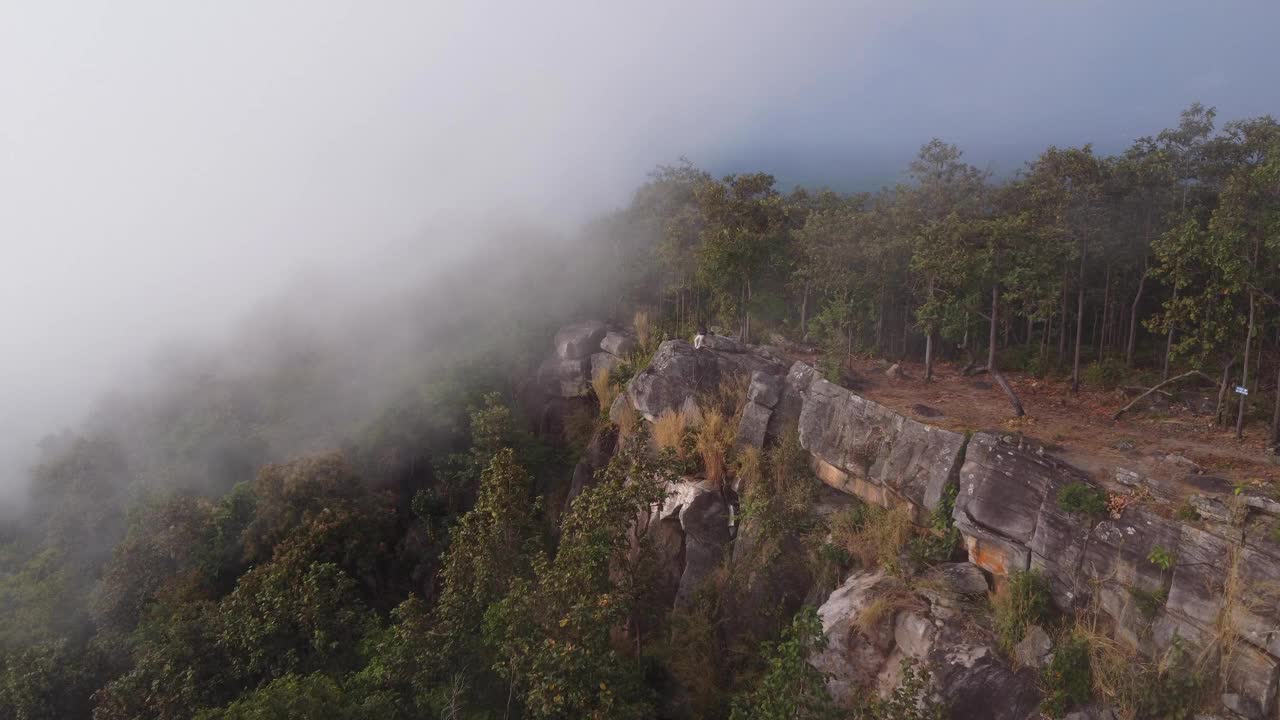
(229, 545)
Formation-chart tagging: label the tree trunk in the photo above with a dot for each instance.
(1275, 414)
(804, 314)
(1133, 318)
(1133, 402)
(991, 337)
(1222, 392)
(928, 343)
(1062, 329)
(1168, 343)
(1244, 371)
(1075, 364)
(1008, 391)
(1106, 308)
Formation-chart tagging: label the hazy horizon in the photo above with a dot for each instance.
(167, 168)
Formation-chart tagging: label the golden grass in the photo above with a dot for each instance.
(715, 440)
(626, 421)
(669, 430)
(644, 328)
(729, 396)
(886, 607)
(876, 538)
(605, 390)
(748, 468)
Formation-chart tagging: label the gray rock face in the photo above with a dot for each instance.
(678, 373)
(754, 425)
(723, 344)
(765, 389)
(879, 452)
(615, 343)
(603, 361)
(577, 341)
(1034, 648)
(702, 517)
(865, 656)
(1008, 513)
(564, 378)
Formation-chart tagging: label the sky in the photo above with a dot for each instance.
(166, 165)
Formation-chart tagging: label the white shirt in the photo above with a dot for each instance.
(697, 341)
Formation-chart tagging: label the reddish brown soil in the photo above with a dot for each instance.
(1079, 429)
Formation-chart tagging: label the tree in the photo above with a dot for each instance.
(745, 227)
(791, 688)
(947, 194)
(1066, 184)
(553, 633)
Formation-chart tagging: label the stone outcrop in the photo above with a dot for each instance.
(679, 373)
(579, 340)
(693, 536)
(1156, 580)
(868, 450)
(866, 644)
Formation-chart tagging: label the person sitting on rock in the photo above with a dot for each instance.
(697, 339)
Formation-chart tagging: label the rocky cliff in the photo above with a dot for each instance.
(1200, 572)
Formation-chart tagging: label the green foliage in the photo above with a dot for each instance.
(1068, 679)
(911, 699)
(49, 680)
(791, 688)
(1083, 499)
(300, 697)
(942, 538)
(492, 547)
(1188, 513)
(1149, 602)
(1162, 558)
(1106, 375)
(1023, 601)
(551, 634)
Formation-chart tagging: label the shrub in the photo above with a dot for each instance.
(910, 700)
(1023, 601)
(1106, 375)
(1068, 680)
(1148, 602)
(939, 543)
(1082, 498)
(791, 688)
(1188, 513)
(1161, 558)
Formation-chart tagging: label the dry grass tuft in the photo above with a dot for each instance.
(644, 328)
(729, 396)
(715, 440)
(669, 430)
(886, 607)
(605, 390)
(626, 421)
(748, 468)
(873, 535)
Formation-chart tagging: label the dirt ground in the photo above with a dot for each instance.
(1178, 449)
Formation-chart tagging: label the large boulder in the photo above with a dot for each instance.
(603, 361)
(577, 341)
(876, 453)
(564, 378)
(678, 373)
(615, 343)
(700, 514)
(857, 651)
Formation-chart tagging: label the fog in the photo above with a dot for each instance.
(168, 169)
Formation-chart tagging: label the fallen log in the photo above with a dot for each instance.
(1135, 401)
